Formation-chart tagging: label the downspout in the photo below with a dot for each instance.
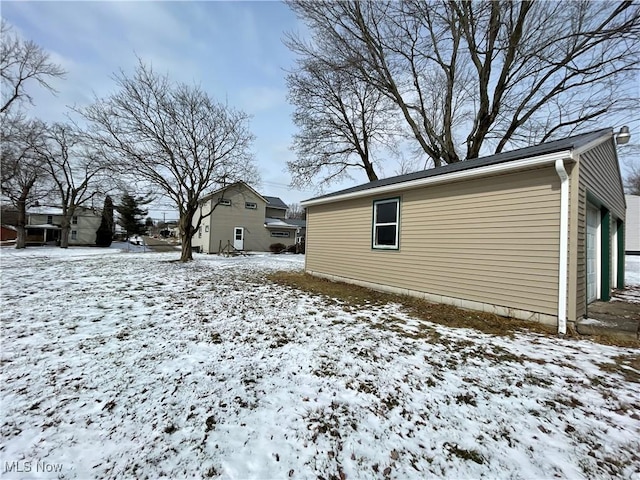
(564, 247)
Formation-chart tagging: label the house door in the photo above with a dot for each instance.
(593, 222)
(238, 238)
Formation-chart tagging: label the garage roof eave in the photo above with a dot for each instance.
(494, 169)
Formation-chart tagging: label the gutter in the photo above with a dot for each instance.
(496, 169)
(564, 246)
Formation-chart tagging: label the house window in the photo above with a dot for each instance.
(224, 201)
(74, 220)
(386, 214)
(280, 234)
(50, 219)
(199, 232)
(74, 234)
(250, 205)
(206, 229)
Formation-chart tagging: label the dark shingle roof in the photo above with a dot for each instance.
(275, 202)
(568, 143)
(297, 222)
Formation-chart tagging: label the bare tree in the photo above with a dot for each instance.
(23, 174)
(632, 183)
(340, 120)
(473, 77)
(175, 137)
(22, 61)
(296, 211)
(76, 171)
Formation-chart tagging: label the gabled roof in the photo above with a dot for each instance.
(227, 187)
(275, 202)
(565, 144)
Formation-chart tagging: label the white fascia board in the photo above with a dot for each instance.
(500, 168)
(594, 143)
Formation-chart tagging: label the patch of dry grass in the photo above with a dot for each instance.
(626, 365)
(354, 296)
(448, 315)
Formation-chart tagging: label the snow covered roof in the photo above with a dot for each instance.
(45, 226)
(51, 210)
(45, 210)
(279, 223)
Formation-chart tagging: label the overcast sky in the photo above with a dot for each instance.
(234, 50)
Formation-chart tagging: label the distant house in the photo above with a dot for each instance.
(245, 220)
(535, 233)
(44, 226)
(632, 233)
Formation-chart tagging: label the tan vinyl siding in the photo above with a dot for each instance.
(492, 240)
(599, 177)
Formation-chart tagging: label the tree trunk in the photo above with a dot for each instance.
(64, 233)
(21, 204)
(186, 232)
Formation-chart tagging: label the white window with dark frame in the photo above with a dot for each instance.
(74, 220)
(251, 205)
(224, 201)
(386, 222)
(280, 234)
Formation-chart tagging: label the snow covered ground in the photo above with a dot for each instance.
(131, 365)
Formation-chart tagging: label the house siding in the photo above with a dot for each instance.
(86, 227)
(275, 212)
(598, 178)
(490, 240)
(632, 234)
(224, 219)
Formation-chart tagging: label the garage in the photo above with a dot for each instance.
(593, 222)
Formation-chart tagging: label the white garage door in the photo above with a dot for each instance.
(593, 221)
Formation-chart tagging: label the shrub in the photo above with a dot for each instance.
(277, 247)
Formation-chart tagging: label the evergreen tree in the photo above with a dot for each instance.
(131, 214)
(104, 234)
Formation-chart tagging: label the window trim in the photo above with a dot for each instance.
(74, 220)
(281, 234)
(251, 205)
(225, 202)
(374, 224)
(74, 235)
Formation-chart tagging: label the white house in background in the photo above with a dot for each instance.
(44, 226)
(632, 232)
(245, 220)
